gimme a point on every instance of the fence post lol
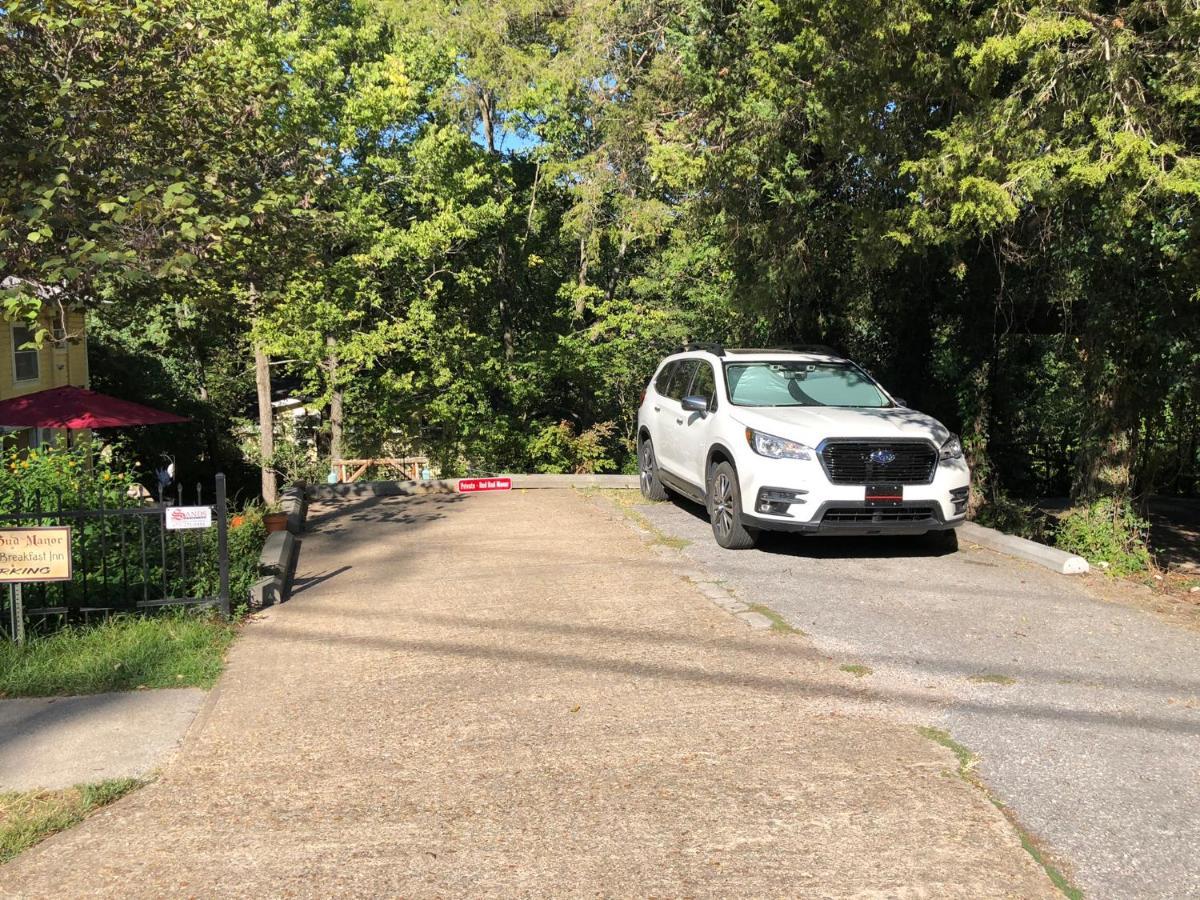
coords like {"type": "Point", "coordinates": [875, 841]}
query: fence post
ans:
{"type": "Point", "coordinates": [223, 546]}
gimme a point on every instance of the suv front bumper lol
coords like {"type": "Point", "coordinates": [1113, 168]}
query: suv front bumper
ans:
{"type": "Point", "coordinates": [849, 517]}
{"type": "Point", "coordinates": [817, 506]}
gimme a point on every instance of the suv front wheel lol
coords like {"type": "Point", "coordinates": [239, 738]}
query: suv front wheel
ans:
{"type": "Point", "coordinates": [648, 480]}
{"type": "Point", "coordinates": [725, 509]}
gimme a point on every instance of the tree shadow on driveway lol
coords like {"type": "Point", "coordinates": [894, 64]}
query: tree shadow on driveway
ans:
{"type": "Point", "coordinates": [799, 687]}
{"type": "Point", "coordinates": [336, 518]}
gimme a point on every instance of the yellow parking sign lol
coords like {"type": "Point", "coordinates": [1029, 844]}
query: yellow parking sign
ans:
{"type": "Point", "coordinates": [35, 554]}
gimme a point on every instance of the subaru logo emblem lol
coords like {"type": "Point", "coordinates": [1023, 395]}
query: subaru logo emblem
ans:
{"type": "Point", "coordinates": [882, 457]}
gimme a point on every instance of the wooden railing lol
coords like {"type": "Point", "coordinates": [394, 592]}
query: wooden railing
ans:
{"type": "Point", "coordinates": [409, 466]}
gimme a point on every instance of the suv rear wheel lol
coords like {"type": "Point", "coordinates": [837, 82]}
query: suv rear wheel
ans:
{"type": "Point", "coordinates": [652, 487]}
{"type": "Point", "coordinates": [725, 509]}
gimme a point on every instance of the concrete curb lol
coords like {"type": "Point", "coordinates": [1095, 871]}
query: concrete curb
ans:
{"type": "Point", "coordinates": [450, 486]}
{"type": "Point", "coordinates": [294, 501]}
{"type": "Point", "coordinates": [277, 565]}
{"type": "Point", "coordinates": [1048, 557]}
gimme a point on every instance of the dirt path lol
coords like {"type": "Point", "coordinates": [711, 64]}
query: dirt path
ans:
{"type": "Point", "coordinates": [510, 695]}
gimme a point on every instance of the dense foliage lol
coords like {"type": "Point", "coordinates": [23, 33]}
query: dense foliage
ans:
{"type": "Point", "coordinates": [471, 228]}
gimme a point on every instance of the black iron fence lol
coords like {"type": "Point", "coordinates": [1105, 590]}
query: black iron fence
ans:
{"type": "Point", "coordinates": [125, 559]}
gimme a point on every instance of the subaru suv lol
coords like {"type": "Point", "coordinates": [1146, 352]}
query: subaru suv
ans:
{"type": "Point", "coordinates": [795, 440]}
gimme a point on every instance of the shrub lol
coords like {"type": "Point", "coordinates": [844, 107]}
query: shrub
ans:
{"type": "Point", "coordinates": [1014, 517]}
{"type": "Point", "coordinates": [74, 476]}
{"type": "Point", "coordinates": [245, 547]}
{"type": "Point", "coordinates": [1107, 533]}
{"type": "Point", "coordinates": [557, 448]}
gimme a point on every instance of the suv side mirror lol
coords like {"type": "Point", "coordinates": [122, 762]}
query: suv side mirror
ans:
{"type": "Point", "coordinates": [900, 402]}
{"type": "Point", "coordinates": [695, 404]}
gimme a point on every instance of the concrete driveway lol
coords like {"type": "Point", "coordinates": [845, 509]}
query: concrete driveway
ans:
{"type": "Point", "coordinates": [513, 695]}
{"type": "Point", "coordinates": [1085, 714]}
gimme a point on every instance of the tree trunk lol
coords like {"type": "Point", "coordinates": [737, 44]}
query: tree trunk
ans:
{"type": "Point", "coordinates": [336, 450]}
{"type": "Point", "coordinates": [1104, 465]}
{"type": "Point", "coordinates": [266, 423]}
{"type": "Point", "coordinates": [580, 302]}
{"type": "Point", "coordinates": [502, 280]}
{"type": "Point", "coordinates": [487, 120]}
{"type": "Point", "coordinates": [976, 429]}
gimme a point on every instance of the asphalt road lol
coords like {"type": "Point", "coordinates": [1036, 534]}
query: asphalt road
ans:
{"type": "Point", "coordinates": [1085, 714]}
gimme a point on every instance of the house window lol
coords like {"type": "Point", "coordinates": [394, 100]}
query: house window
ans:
{"type": "Point", "coordinates": [25, 362]}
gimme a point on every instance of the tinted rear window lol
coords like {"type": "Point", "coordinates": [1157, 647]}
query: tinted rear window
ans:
{"type": "Point", "coordinates": [681, 379]}
{"type": "Point", "coordinates": [664, 378]}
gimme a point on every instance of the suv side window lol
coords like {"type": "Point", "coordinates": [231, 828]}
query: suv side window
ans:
{"type": "Point", "coordinates": [663, 381]}
{"type": "Point", "coordinates": [684, 370]}
{"type": "Point", "coordinates": [705, 385]}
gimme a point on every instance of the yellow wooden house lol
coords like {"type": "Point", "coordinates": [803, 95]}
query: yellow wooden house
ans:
{"type": "Point", "coordinates": [60, 361]}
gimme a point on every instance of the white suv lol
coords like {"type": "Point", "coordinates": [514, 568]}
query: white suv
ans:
{"type": "Point", "coordinates": [795, 440]}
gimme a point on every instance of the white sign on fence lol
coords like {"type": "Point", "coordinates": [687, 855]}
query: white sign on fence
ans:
{"type": "Point", "coordinates": [180, 517]}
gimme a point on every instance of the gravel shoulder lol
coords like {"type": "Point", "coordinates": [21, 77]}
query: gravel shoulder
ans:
{"type": "Point", "coordinates": [1085, 713]}
{"type": "Point", "coordinates": [513, 695]}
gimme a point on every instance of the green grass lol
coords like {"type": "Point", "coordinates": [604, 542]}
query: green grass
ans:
{"type": "Point", "coordinates": [779, 624]}
{"type": "Point", "coordinates": [966, 770]}
{"type": "Point", "coordinates": [1057, 878]}
{"type": "Point", "coordinates": [966, 759]}
{"type": "Point", "coordinates": [31, 816]}
{"type": "Point", "coordinates": [857, 670]}
{"type": "Point", "coordinates": [628, 501]}
{"type": "Point", "coordinates": [120, 654]}
{"type": "Point", "coordinates": [991, 678]}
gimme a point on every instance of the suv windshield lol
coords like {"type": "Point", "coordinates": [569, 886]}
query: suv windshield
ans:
{"type": "Point", "coordinates": [802, 384]}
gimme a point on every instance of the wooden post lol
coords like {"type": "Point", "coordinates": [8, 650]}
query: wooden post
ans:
{"type": "Point", "coordinates": [335, 402]}
{"type": "Point", "coordinates": [223, 548]}
{"type": "Point", "coordinates": [266, 423]}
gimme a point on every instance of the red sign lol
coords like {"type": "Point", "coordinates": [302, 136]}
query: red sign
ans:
{"type": "Point", "coordinates": [475, 485]}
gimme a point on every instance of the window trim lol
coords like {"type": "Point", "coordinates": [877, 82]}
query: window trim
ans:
{"type": "Point", "coordinates": [16, 348]}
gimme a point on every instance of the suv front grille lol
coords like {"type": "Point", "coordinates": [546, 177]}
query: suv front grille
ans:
{"type": "Point", "coordinates": [849, 462]}
{"type": "Point", "coordinates": [866, 514]}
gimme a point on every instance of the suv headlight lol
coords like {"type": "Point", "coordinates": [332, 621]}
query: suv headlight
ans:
{"type": "Point", "coordinates": [776, 447]}
{"type": "Point", "coordinates": [952, 449]}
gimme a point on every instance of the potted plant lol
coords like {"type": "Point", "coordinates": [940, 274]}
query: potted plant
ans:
{"type": "Point", "coordinates": [274, 518]}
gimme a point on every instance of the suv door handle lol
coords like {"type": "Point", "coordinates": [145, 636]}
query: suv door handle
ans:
{"type": "Point", "coordinates": [658, 409]}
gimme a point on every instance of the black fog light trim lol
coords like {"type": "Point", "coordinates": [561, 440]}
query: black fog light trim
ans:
{"type": "Point", "coordinates": [775, 501]}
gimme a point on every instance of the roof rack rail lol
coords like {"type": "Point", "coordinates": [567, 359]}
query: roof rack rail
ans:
{"type": "Point", "coordinates": [812, 348]}
{"type": "Point", "coordinates": [711, 347]}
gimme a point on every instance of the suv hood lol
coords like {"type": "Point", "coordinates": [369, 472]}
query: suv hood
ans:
{"type": "Point", "coordinates": [813, 424]}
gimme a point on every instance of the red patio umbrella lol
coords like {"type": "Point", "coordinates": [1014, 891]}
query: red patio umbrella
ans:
{"type": "Point", "coordinates": [76, 408]}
